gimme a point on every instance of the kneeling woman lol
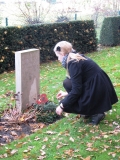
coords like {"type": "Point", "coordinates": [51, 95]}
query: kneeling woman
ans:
{"type": "Point", "coordinates": [89, 90]}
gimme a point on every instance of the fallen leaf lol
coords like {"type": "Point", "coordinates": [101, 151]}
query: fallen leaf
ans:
{"type": "Point", "coordinates": [14, 151]}
{"type": "Point", "coordinates": [51, 132]}
{"type": "Point", "coordinates": [112, 153]}
{"type": "Point", "coordinates": [116, 84]}
{"type": "Point", "coordinates": [105, 136]}
{"type": "Point", "coordinates": [30, 147]}
{"type": "Point", "coordinates": [60, 145]}
{"type": "Point", "coordinates": [25, 151]}
{"type": "Point", "coordinates": [87, 158]}
{"type": "Point", "coordinates": [1, 156]}
{"type": "Point", "coordinates": [66, 114]}
{"type": "Point", "coordinates": [115, 123]}
{"type": "Point", "coordinates": [12, 99]}
{"type": "Point", "coordinates": [45, 139]}
{"type": "Point", "coordinates": [69, 152]}
{"type": "Point", "coordinates": [19, 145]}
{"type": "Point", "coordinates": [13, 133]}
{"type": "Point", "coordinates": [5, 155]}
{"type": "Point", "coordinates": [21, 136]}
{"type": "Point", "coordinates": [105, 146]}
{"type": "Point", "coordinates": [89, 144]}
{"type": "Point", "coordinates": [41, 157]}
{"type": "Point", "coordinates": [22, 119]}
{"type": "Point", "coordinates": [71, 139]}
{"type": "Point", "coordinates": [1, 127]}
{"type": "Point", "coordinates": [43, 147]}
{"type": "Point", "coordinates": [92, 149]}
{"type": "Point", "coordinates": [42, 152]}
{"type": "Point", "coordinates": [37, 138]}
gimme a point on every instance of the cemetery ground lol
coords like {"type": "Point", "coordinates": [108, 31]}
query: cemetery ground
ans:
{"type": "Point", "coordinates": [71, 137]}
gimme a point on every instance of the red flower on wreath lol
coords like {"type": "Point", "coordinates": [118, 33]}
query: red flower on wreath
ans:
{"type": "Point", "coordinates": [43, 99]}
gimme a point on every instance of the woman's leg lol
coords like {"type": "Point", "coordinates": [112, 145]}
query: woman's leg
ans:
{"type": "Point", "coordinates": [94, 119]}
{"type": "Point", "coordinates": [67, 84]}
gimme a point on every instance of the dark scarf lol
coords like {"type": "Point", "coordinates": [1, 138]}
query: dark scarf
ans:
{"type": "Point", "coordinates": [64, 61]}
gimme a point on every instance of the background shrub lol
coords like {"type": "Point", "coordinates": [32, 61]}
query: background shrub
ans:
{"type": "Point", "coordinates": [44, 37]}
{"type": "Point", "coordinates": [110, 31]}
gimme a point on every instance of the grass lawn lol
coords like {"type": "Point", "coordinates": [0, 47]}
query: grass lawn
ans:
{"type": "Point", "coordinates": [69, 138]}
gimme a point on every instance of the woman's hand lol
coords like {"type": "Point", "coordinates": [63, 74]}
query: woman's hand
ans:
{"type": "Point", "coordinates": [59, 110]}
{"type": "Point", "coordinates": [61, 94]}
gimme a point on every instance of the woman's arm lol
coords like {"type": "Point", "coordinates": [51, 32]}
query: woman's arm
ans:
{"type": "Point", "coordinates": [75, 71]}
{"type": "Point", "coordinates": [61, 94]}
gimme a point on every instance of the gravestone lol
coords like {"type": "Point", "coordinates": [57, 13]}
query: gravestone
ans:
{"type": "Point", "coordinates": [27, 74]}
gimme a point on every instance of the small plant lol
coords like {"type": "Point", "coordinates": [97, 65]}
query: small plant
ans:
{"type": "Point", "coordinates": [46, 110]}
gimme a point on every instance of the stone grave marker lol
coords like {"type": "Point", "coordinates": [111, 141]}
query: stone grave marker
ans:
{"type": "Point", "coordinates": [27, 74]}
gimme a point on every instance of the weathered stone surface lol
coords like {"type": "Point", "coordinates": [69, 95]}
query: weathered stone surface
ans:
{"type": "Point", "coordinates": [27, 73]}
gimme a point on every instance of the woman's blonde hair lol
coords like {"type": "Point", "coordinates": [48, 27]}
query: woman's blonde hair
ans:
{"type": "Point", "coordinates": [72, 56]}
{"type": "Point", "coordinates": [66, 47]}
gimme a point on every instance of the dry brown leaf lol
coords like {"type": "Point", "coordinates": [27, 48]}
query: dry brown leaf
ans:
{"type": "Point", "coordinates": [60, 145]}
{"type": "Point", "coordinates": [5, 155]}
{"type": "Point", "coordinates": [30, 147]}
{"type": "Point", "coordinates": [22, 119]}
{"type": "Point", "coordinates": [12, 99]}
{"type": "Point", "coordinates": [41, 125]}
{"type": "Point", "coordinates": [14, 151]}
{"type": "Point", "coordinates": [43, 147]}
{"type": "Point", "coordinates": [69, 152]}
{"type": "Point", "coordinates": [26, 151]}
{"type": "Point", "coordinates": [116, 84]}
{"type": "Point", "coordinates": [66, 114]}
{"type": "Point", "coordinates": [112, 153]}
{"type": "Point", "coordinates": [89, 144]}
{"type": "Point", "coordinates": [78, 116]}
{"type": "Point", "coordinates": [45, 139]}
{"type": "Point", "coordinates": [105, 146]}
{"type": "Point", "coordinates": [105, 136]}
{"type": "Point", "coordinates": [19, 145]}
{"type": "Point", "coordinates": [6, 129]}
{"type": "Point", "coordinates": [51, 132]}
{"type": "Point", "coordinates": [71, 139]}
{"type": "Point", "coordinates": [1, 128]}
{"type": "Point", "coordinates": [87, 158]}
{"type": "Point", "coordinates": [66, 133]}
{"type": "Point", "coordinates": [92, 149]}
{"type": "Point", "coordinates": [13, 133]}
{"type": "Point", "coordinates": [37, 138]}
{"type": "Point", "coordinates": [41, 157]}
{"type": "Point", "coordinates": [42, 152]}
{"type": "Point", "coordinates": [1, 156]}
{"type": "Point", "coordinates": [5, 137]}
{"type": "Point", "coordinates": [21, 136]}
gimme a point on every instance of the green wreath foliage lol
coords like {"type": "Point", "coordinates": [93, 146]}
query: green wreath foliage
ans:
{"type": "Point", "coordinates": [46, 112]}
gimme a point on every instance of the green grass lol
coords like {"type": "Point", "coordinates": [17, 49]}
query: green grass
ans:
{"type": "Point", "coordinates": [69, 138]}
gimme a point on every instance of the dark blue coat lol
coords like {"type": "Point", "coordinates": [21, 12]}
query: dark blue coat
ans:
{"type": "Point", "coordinates": [91, 89]}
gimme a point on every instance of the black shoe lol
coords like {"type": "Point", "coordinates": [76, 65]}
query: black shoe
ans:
{"type": "Point", "coordinates": [95, 119]}
{"type": "Point", "coordinates": [85, 116]}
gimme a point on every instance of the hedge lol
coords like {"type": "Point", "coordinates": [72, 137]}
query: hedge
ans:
{"type": "Point", "coordinates": [44, 37]}
{"type": "Point", "coordinates": [110, 31]}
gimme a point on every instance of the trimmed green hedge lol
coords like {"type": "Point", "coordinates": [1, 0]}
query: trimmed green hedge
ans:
{"type": "Point", "coordinates": [110, 31]}
{"type": "Point", "coordinates": [44, 37]}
